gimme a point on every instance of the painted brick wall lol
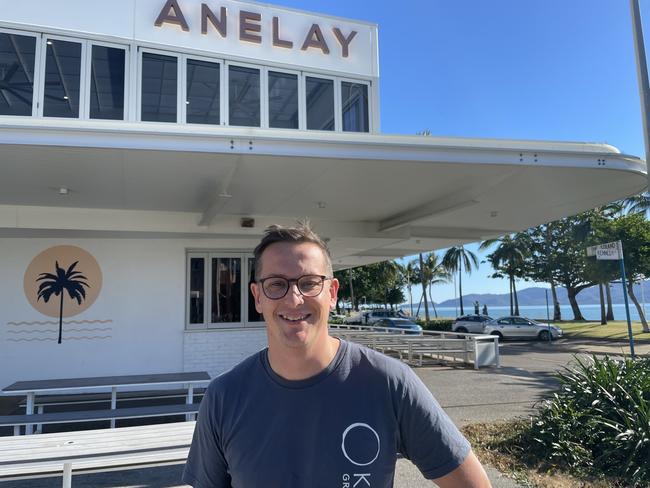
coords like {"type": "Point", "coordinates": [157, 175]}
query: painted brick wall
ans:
{"type": "Point", "coordinates": [216, 351]}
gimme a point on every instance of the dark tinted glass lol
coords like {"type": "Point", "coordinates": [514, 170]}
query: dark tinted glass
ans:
{"type": "Point", "coordinates": [226, 290]}
{"type": "Point", "coordinates": [283, 100]}
{"type": "Point", "coordinates": [197, 291]}
{"type": "Point", "coordinates": [253, 314]}
{"type": "Point", "coordinates": [244, 96]}
{"type": "Point", "coordinates": [202, 92]}
{"type": "Point", "coordinates": [159, 88]}
{"type": "Point", "coordinates": [62, 79]}
{"type": "Point", "coordinates": [16, 74]}
{"type": "Point", "coordinates": [354, 101]}
{"type": "Point", "coordinates": [320, 104]}
{"type": "Point", "coordinates": [107, 83]}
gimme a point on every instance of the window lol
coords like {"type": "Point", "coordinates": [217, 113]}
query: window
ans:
{"type": "Point", "coordinates": [283, 100]}
{"type": "Point", "coordinates": [107, 72]}
{"type": "Point", "coordinates": [17, 54]}
{"type": "Point", "coordinates": [218, 293]}
{"type": "Point", "coordinates": [203, 92]}
{"type": "Point", "coordinates": [244, 96]}
{"type": "Point", "coordinates": [354, 104]}
{"type": "Point", "coordinates": [62, 79]}
{"type": "Point", "coordinates": [159, 88]}
{"type": "Point", "coordinates": [320, 103]}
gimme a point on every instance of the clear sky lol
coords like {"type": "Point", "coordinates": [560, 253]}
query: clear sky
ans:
{"type": "Point", "coordinates": [518, 69]}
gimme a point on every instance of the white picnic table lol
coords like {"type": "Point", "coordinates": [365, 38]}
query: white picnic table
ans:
{"type": "Point", "coordinates": [91, 451]}
{"type": "Point", "coordinates": [71, 385]}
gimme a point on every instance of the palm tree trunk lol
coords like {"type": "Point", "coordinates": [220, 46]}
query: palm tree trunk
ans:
{"type": "Point", "coordinates": [557, 311]}
{"type": "Point", "coordinates": [61, 317]}
{"type": "Point", "coordinates": [603, 313]}
{"type": "Point", "coordinates": [512, 311]}
{"type": "Point", "coordinates": [435, 312]}
{"type": "Point", "coordinates": [514, 294]}
{"type": "Point", "coordinates": [639, 309]}
{"type": "Point", "coordinates": [460, 286]}
{"type": "Point", "coordinates": [351, 291]}
{"type": "Point", "coordinates": [424, 290]}
{"type": "Point", "coordinates": [410, 298]}
{"type": "Point", "coordinates": [610, 307]}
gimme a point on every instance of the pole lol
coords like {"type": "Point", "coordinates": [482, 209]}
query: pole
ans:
{"type": "Point", "coordinates": [548, 318]}
{"type": "Point", "coordinates": [627, 306]}
{"type": "Point", "coordinates": [642, 76]}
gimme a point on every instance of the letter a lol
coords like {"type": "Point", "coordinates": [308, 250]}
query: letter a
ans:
{"type": "Point", "coordinates": [166, 16]}
{"type": "Point", "coordinates": [319, 42]}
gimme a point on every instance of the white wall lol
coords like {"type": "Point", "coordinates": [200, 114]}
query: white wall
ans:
{"type": "Point", "coordinates": [143, 294]}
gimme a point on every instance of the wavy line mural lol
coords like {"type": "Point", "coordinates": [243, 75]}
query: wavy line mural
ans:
{"type": "Point", "coordinates": [48, 322]}
{"type": "Point", "coordinates": [44, 339]}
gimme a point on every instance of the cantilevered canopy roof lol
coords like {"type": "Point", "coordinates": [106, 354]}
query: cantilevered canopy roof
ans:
{"type": "Point", "coordinates": [375, 197]}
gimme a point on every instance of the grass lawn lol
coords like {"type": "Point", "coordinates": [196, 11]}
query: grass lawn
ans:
{"type": "Point", "coordinates": [614, 330]}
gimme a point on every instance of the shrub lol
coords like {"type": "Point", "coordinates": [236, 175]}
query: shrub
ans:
{"type": "Point", "coordinates": [443, 325]}
{"type": "Point", "coordinates": [599, 422]}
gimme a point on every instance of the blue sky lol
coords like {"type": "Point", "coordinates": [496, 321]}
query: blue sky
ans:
{"type": "Point", "coordinates": [517, 69]}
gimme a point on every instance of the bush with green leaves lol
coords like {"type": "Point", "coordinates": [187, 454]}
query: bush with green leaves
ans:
{"type": "Point", "coordinates": [599, 422]}
{"type": "Point", "coordinates": [443, 325]}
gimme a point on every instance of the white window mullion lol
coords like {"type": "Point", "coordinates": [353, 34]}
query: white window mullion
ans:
{"type": "Point", "coordinates": [181, 84]}
{"type": "Point", "coordinates": [264, 97]}
{"type": "Point", "coordinates": [338, 108]}
{"type": "Point", "coordinates": [302, 101]}
{"type": "Point", "coordinates": [85, 80]}
{"type": "Point", "coordinates": [39, 91]}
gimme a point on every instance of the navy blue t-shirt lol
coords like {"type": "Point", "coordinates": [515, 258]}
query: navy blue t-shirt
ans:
{"type": "Point", "coordinates": [341, 428]}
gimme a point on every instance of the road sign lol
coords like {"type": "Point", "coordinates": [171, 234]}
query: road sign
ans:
{"type": "Point", "coordinates": [610, 251]}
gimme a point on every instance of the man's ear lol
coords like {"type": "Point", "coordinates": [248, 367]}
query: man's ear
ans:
{"type": "Point", "coordinates": [334, 292]}
{"type": "Point", "coordinates": [255, 290]}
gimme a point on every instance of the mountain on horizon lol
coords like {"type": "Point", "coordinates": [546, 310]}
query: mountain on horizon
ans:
{"type": "Point", "coordinates": [536, 296]}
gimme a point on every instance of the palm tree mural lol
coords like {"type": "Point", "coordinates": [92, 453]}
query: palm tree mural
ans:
{"type": "Point", "coordinates": [56, 284]}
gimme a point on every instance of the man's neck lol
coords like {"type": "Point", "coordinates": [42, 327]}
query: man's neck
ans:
{"type": "Point", "coordinates": [300, 364]}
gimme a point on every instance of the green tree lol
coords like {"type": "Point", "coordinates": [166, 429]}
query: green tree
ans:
{"type": "Point", "coordinates": [434, 274]}
{"type": "Point", "coordinates": [454, 259]}
{"type": "Point", "coordinates": [633, 230]}
{"type": "Point", "coordinates": [56, 284]}
{"type": "Point", "coordinates": [508, 259]}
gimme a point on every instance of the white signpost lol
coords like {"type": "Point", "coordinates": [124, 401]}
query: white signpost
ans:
{"type": "Point", "coordinates": [613, 251]}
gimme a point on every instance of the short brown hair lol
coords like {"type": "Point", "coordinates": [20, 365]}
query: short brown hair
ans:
{"type": "Point", "coordinates": [299, 234]}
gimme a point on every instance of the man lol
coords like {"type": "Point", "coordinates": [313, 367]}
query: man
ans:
{"type": "Point", "coordinates": [312, 411]}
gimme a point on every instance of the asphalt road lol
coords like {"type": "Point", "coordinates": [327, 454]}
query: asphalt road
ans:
{"type": "Point", "coordinates": [525, 377]}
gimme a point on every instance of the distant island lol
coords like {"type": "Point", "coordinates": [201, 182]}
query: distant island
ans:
{"type": "Point", "coordinates": [535, 296]}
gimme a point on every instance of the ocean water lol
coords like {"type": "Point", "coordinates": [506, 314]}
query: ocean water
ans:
{"type": "Point", "coordinates": [589, 312]}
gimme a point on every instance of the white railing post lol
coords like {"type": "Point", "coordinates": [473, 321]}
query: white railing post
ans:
{"type": "Point", "coordinates": [189, 400]}
{"type": "Point", "coordinates": [113, 404]}
{"type": "Point", "coordinates": [475, 352]}
{"type": "Point", "coordinates": [67, 475]}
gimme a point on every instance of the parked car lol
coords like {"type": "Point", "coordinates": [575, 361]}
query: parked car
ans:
{"type": "Point", "coordinates": [407, 325]}
{"type": "Point", "coordinates": [369, 317]}
{"type": "Point", "coordinates": [521, 328]}
{"type": "Point", "coordinates": [470, 323]}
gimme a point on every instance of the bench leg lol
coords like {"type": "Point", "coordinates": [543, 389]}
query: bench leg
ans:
{"type": "Point", "coordinates": [16, 429]}
{"type": "Point", "coordinates": [39, 427]}
{"type": "Point", "coordinates": [189, 400]}
{"type": "Point", "coordinates": [67, 475]}
{"type": "Point", "coordinates": [29, 410]}
{"type": "Point", "coordinates": [113, 404]}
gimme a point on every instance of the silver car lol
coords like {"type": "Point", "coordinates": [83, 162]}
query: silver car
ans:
{"type": "Point", "coordinates": [514, 327]}
{"type": "Point", "coordinates": [470, 323]}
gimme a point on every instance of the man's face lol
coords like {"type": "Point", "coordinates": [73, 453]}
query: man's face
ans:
{"type": "Point", "coordinates": [295, 321]}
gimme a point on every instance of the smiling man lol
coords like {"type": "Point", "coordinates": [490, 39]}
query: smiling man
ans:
{"type": "Point", "coordinates": [314, 411]}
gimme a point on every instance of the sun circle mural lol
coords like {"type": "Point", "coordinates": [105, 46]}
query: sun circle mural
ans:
{"type": "Point", "coordinates": [62, 281]}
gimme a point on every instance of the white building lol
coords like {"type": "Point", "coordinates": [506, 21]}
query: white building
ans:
{"type": "Point", "coordinates": [152, 141]}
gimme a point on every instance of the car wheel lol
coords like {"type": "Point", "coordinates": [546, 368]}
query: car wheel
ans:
{"type": "Point", "coordinates": [544, 335]}
{"type": "Point", "coordinates": [498, 334]}
{"type": "Point", "coordinates": [462, 330]}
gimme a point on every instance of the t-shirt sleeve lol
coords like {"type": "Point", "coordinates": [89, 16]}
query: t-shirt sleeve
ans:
{"type": "Point", "coordinates": [428, 437]}
{"type": "Point", "coordinates": [206, 465]}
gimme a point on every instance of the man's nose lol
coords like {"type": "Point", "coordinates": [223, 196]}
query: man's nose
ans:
{"type": "Point", "coordinates": [293, 293]}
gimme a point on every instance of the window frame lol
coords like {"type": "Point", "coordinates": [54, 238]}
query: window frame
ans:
{"type": "Point", "coordinates": [337, 100]}
{"type": "Point", "coordinates": [340, 101]}
{"type": "Point", "coordinates": [127, 75]}
{"type": "Point", "coordinates": [36, 82]}
{"type": "Point", "coordinates": [263, 89]}
{"type": "Point", "coordinates": [179, 74]}
{"type": "Point", "coordinates": [222, 89]}
{"type": "Point", "coordinates": [302, 102]}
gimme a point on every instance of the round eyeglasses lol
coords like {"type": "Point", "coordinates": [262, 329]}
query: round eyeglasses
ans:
{"type": "Point", "coordinates": [276, 287]}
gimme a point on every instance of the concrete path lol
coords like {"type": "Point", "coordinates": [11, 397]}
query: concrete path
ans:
{"type": "Point", "coordinates": [468, 396]}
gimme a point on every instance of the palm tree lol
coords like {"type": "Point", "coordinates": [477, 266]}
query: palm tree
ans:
{"type": "Point", "coordinates": [408, 272]}
{"type": "Point", "coordinates": [423, 282]}
{"type": "Point", "coordinates": [56, 284]}
{"type": "Point", "coordinates": [453, 260]}
{"type": "Point", "coordinates": [638, 203]}
{"type": "Point", "coordinates": [434, 273]}
{"type": "Point", "coordinates": [508, 258]}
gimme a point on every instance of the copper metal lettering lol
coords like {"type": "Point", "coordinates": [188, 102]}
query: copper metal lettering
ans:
{"type": "Point", "coordinates": [344, 41]}
{"type": "Point", "coordinates": [217, 23]}
{"type": "Point", "coordinates": [315, 39]}
{"type": "Point", "coordinates": [165, 16]}
{"type": "Point", "coordinates": [246, 26]}
{"type": "Point", "coordinates": [276, 35]}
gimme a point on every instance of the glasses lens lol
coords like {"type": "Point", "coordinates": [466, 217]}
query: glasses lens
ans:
{"type": "Point", "coordinates": [310, 286]}
{"type": "Point", "coordinates": [275, 287]}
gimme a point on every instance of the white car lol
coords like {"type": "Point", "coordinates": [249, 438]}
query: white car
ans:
{"type": "Point", "coordinates": [521, 328]}
{"type": "Point", "coordinates": [470, 323]}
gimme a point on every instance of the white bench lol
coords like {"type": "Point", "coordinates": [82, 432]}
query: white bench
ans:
{"type": "Point", "coordinates": [92, 451]}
